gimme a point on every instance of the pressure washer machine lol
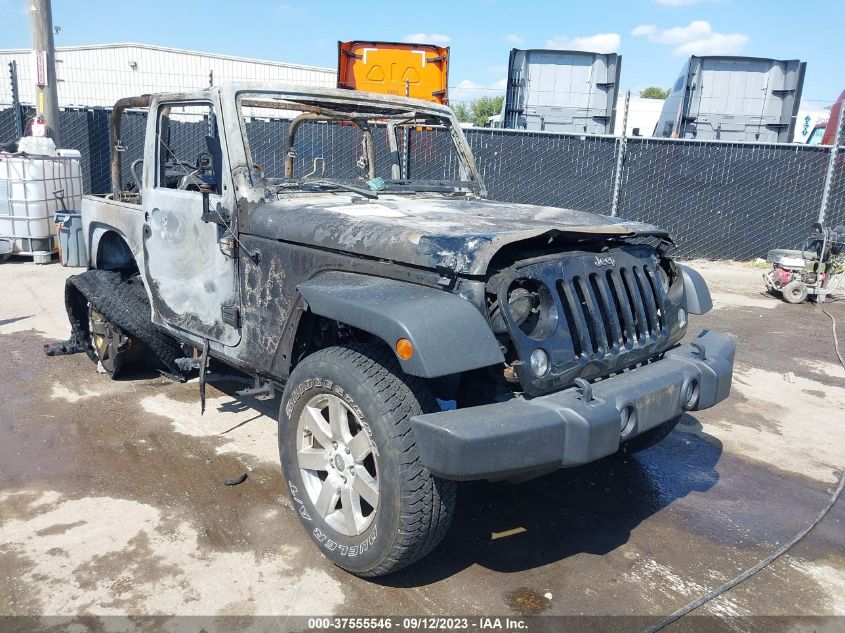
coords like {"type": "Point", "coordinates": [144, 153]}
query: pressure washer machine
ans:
{"type": "Point", "coordinates": [814, 272]}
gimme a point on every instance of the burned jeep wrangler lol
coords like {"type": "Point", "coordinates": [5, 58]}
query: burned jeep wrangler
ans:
{"type": "Point", "coordinates": [340, 247]}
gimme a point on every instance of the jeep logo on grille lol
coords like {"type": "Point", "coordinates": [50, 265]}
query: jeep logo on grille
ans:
{"type": "Point", "coordinates": [605, 261]}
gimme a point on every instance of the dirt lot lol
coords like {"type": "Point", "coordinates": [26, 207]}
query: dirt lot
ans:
{"type": "Point", "coordinates": [113, 503]}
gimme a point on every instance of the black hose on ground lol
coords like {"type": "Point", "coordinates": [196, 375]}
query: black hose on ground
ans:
{"type": "Point", "coordinates": [698, 602]}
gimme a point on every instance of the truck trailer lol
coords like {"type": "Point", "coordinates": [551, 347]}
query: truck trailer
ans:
{"type": "Point", "coordinates": [734, 99]}
{"type": "Point", "coordinates": [562, 91]}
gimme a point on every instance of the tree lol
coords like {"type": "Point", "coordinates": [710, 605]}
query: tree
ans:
{"type": "Point", "coordinates": [477, 112]}
{"type": "Point", "coordinates": [462, 111]}
{"type": "Point", "coordinates": [654, 92]}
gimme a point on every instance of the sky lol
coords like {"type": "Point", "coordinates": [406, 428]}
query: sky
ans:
{"type": "Point", "coordinates": [653, 36]}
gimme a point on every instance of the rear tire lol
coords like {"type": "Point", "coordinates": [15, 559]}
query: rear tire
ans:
{"type": "Point", "coordinates": [348, 455]}
{"type": "Point", "coordinates": [103, 305]}
{"type": "Point", "coordinates": [649, 438]}
{"type": "Point", "coordinates": [116, 352]}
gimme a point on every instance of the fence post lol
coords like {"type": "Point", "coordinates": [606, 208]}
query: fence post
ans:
{"type": "Point", "coordinates": [831, 166]}
{"type": "Point", "coordinates": [16, 98]}
{"type": "Point", "coordinates": [623, 142]}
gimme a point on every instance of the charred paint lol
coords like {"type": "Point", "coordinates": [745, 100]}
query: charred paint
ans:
{"type": "Point", "coordinates": [443, 241]}
{"type": "Point", "coordinates": [266, 296]}
{"type": "Point", "coordinates": [423, 230]}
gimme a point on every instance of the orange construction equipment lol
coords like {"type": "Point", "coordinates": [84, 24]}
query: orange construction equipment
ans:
{"type": "Point", "coordinates": [420, 71]}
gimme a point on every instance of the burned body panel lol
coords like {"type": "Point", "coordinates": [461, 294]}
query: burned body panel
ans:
{"type": "Point", "coordinates": [569, 318]}
{"type": "Point", "coordinates": [462, 235]}
{"type": "Point", "coordinates": [272, 303]}
{"type": "Point", "coordinates": [267, 290]}
{"type": "Point", "coordinates": [101, 216]}
{"type": "Point", "coordinates": [192, 279]}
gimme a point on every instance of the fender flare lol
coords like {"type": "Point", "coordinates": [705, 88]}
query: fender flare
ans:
{"type": "Point", "coordinates": [448, 333]}
{"type": "Point", "coordinates": [696, 293]}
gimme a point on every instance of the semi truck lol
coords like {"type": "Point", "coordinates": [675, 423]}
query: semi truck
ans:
{"type": "Point", "coordinates": [732, 98]}
{"type": "Point", "coordinates": [572, 92]}
{"type": "Point", "coordinates": [824, 133]}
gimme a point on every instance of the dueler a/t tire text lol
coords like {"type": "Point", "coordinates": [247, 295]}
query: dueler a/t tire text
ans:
{"type": "Point", "coordinates": [332, 467]}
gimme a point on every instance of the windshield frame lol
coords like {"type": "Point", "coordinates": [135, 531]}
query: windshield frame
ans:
{"type": "Point", "coordinates": [337, 104]}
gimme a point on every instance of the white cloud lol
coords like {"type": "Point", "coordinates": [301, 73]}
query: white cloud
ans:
{"type": "Point", "coordinates": [598, 43]}
{"type": "Point", "coordinates": [681, 3]}
{"type": "Point", "coordinates": [468, 90]}
{"type": "Point", "coordinates": [287, 8]}
{"type": "Point", "coordinates": [427, 38]}
{"type": "Point", "coordinates": [512, 38]}
{"type": "Point", "coordinates": [644, 29]}
{"type": "Point", "coordinates": [696, 38]}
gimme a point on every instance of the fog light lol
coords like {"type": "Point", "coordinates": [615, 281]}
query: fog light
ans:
{"type": "Point", "coordinates": [627, 419]}
{"type": "Point", "coordinates": [682, 317]}
{"type": "Point", "coordinates": [539, 362]}
{"type": "Point", "coordinates": [690, 395]}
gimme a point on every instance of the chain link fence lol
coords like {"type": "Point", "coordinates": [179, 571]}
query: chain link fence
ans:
{"type": "Point", "coordinates": [720, 200]}
{"type": "Point", "coordinates": [724, 200]}
{"type": "Point", "coordinates": [558, 170]}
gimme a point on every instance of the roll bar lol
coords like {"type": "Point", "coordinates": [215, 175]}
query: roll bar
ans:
{"type": "Point", "coordinates": [142, 101]}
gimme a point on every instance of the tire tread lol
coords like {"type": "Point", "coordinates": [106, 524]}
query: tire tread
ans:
{"type": "Point", "coordinates": [428, 502]}
{"type": "Point", "coordinates": [124, 303]}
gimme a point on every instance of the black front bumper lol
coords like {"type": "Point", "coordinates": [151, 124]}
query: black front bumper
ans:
{"type": "Point", "coordinates": [564, 429]}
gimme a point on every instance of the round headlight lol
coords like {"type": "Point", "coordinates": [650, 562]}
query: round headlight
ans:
{"type": "Point", "coordinates": [539, 362]}
{"type": "Point", "coordinates": [521, 302]}
{"type": "Point", "coordinates": [682, 317]}
{"type": "Point", "coordinates": [532, 308]}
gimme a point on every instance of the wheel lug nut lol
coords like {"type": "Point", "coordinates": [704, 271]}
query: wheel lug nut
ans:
{"type": "Point", "coordinates": [334, 444]}
{"type": "Point", "coordinates": [347, 450]}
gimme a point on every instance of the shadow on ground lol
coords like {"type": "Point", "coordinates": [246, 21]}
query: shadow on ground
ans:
{"type": "Point", "coordinates": [590, 509]}
{"type": "Point", "coordinates": [515, 527]}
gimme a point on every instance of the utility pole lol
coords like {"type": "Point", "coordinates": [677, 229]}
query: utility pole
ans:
{"type": "Point", "coordinates": [44, 53]}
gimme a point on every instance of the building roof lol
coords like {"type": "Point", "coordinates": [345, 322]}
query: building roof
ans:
{"type": "Point", "coordinates": [168, 49]}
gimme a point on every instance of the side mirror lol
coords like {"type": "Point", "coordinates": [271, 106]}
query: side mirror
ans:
{"type": "Point", "coordinates": [218, 215]}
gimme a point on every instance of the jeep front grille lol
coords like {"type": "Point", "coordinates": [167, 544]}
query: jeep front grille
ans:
{"type": "Point", "coordinates": [609, 313]}
{"type": "Point", "coordinates": [608, 310]}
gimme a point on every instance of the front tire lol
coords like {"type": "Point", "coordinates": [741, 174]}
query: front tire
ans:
{"type": "Point", "coordinates": [348, 455]}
